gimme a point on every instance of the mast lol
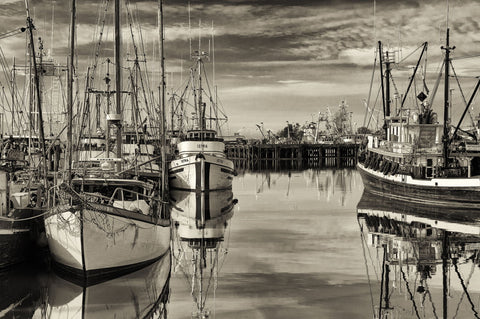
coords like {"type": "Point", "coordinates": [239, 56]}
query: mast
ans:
{"type": "Point", "coordinates": [118, 83]}
{"type": "Point", "coordinates": [388, 69]}
{"type": "Point", "coordinates": [70, 92]}
{"type": "Point", "coordinates": [37, 89]}
{"type": "Point", "coordinates": [380, 50]}
{"type": "Point", "coordinates": [200, 102]}
{"type": "Point", "coordinates": [162, 99]}
{"type": "Point", "coordinates": [13, 96]}
{"type": "Point", "coordinates": [446, 106]}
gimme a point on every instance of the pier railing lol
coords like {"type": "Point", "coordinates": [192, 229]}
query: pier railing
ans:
{"type": "Point", "coordinates": [292, 156]}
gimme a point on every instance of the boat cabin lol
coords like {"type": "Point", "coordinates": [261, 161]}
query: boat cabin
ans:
{"type": "Point", "coordinates": [202, 135]}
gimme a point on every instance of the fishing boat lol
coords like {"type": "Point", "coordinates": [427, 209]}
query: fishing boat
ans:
{"type": "Point", "coordinates": [201, 163]}
{"type": "Point", "coordinates": [21, 226]}
{"type": "Point", "coordinates": [22, 185]}
{"type": "Point", "coordinates": [426, 255]}
{"type": "Point", "coordinates": [105, 218]}
{"type": "Point", "coordinates": [199, 248]}
{"type": "Point", "coordinates": [417, 157]}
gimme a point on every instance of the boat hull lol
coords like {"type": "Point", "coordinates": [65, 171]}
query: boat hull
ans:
{"type": "Point", "coordinates": [462, 191]}
{"type": "Point", "coordinates": [91, 240]}
{"type": "Point", "coordinates": [201, 172]}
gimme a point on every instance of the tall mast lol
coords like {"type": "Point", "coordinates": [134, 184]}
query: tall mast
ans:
{"type": "Point", "coordinates": [70, 91]}
{"type": "Point", "coordinates": [13, 96]}
{"type": "Point", "coordinates": [200, 102]}
{"type": "Point", "coordinates": [446, 106]}
{"type": "Point", "coordinates": [380, 50]}
{"type": "Point", "coordinates": [118, 84]}
{"type": "Point", "coordinates": [162, 99]}
{"type": "Point", "coordinates": [37, 89]}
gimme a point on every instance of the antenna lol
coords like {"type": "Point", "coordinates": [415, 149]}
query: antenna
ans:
{"type": "Point", "coordinates": [374, 21]}
{"type": "Point", "coordinates": [53, 22]}
{"type": "Point", "coordinates": [199, 36]}
{"type": "Point", "coordinates": [213, 57]}
{"type": "Point", "coordinates": [189, 29]}
{"type": "Point", "coordinates": [448, 12]}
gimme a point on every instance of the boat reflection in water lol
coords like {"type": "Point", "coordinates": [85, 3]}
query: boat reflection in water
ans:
{"type": "Point", "coordinates": [201, 219]}
{"type": "Point", "coordinates": [425, 259]}
{"type": "Point", "coordinates": [20, 291]}
{"type": "Point", "coordinates": [141, 294]}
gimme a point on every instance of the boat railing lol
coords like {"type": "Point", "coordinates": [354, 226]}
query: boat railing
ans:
{"type": "Point", "coordinates": [130, 200]}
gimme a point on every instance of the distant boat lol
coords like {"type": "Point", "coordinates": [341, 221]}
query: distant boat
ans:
{"type": "Point", "coordinates": [201, 163]}
{"type": "Point", "coordinates": [200, 222]}
{"type": "Point", "coordinates": [417, 248]}
{"type": "Point", "coordinates": [419, 158]}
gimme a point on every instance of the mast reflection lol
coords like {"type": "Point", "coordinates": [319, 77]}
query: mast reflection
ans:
{"type": "Point", "coordinates": [421, 261]}
{"type": "Point", "coordinates": [199, 249]}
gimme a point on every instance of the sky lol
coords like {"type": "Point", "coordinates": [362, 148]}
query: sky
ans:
{"type": "Point", "coordinates": [274, 61]}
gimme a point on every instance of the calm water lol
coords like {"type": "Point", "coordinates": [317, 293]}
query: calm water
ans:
{"type": "Point", "coordinates": [294, 246]}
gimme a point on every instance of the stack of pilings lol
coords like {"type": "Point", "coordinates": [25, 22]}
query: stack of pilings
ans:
{"type": "Point", "coordinates": [292, 156]}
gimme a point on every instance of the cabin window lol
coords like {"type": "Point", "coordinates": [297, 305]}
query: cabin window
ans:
{"type": "Point", "coordinates": [429, 171]}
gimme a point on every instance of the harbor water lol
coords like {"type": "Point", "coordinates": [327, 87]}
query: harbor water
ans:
{"type": "Point", "coordinates": [299, 244]}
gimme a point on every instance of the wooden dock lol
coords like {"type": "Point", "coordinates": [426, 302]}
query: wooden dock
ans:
{"type": "Point", "coordinates": [292, 156]}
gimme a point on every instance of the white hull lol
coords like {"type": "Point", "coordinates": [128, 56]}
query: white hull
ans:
{"type": "Point", "coordinates": [89, 241]}
{"type": "Point", "coordinates": [201, 172]}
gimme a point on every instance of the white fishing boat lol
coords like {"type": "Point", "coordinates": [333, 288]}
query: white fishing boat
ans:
{"type": "Point", "coordinates": [201, 163]}
{"type": "Point", "coordinates": [105, 218]}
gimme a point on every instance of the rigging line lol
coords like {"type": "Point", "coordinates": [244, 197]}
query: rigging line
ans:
{"type": "Point", "coordinates": [468, 282]}
{"type": "Point", "coordinates": [215, 264]}
{"type": "Point", "coordinates": [410, 292]}
{"type": "Point", "coordinates": [455, 265]}
{"type": "Point", "coordinates": [370, 88]}
{"type": "Point", "coordinates": [381, 284]}
{"type": "Point", "coordinates": [98, 44]}
{"type": "Point", "coordinates": [411, 53]}
{"type": "Point", "coordinates": [374, 106]}
{"type": "Point", "coordinates": [362, 238]}
{"type": "Point", "coordinates": [434, 310]}
{"type": "Point", "coordinates": [466, 57]}
{"type": "Point", "coordinates": [12, 32]}
{"type": "Point", "coordinates": [461, 92]}
{"type": "Point", "coordinates": [394, 85]}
